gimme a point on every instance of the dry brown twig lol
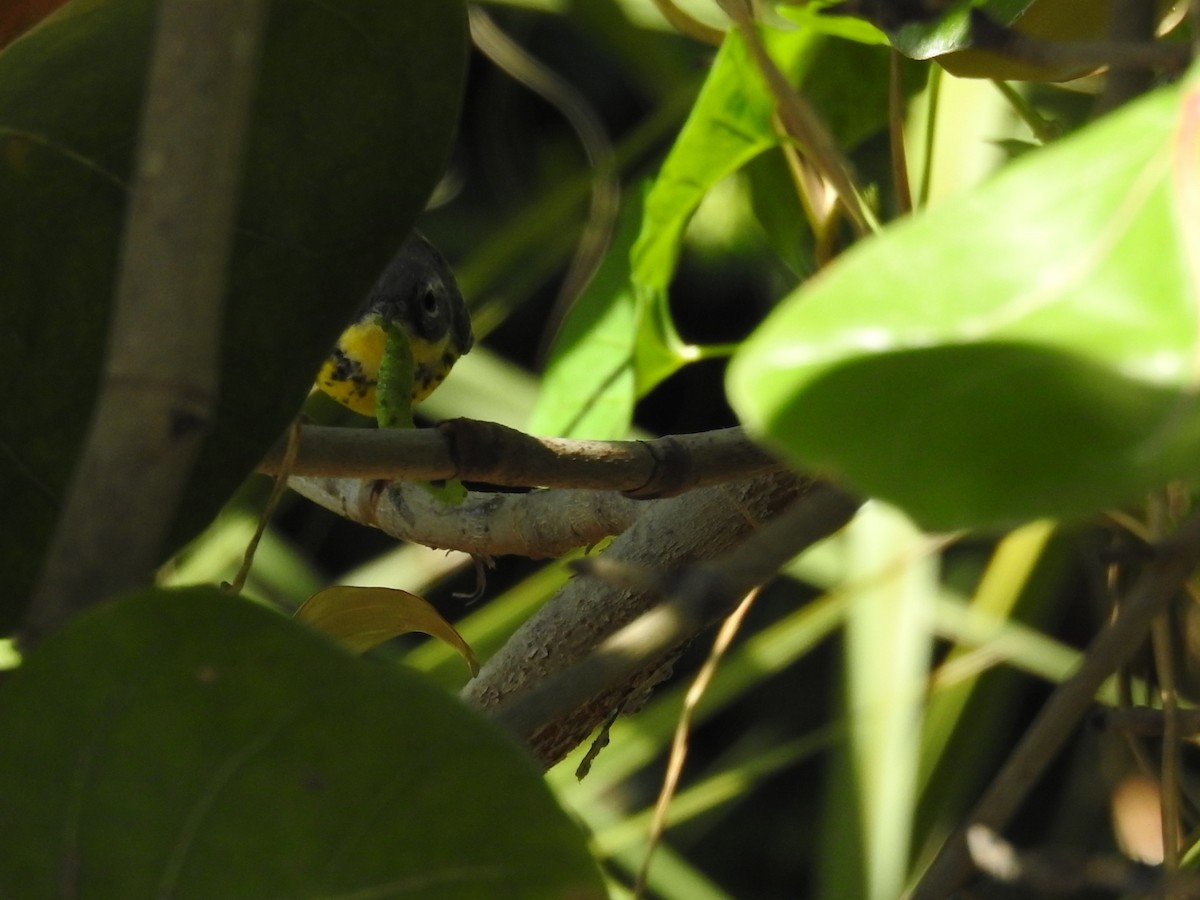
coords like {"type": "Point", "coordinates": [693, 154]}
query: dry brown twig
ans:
{"type": "Point", "coordinates": [799, 119]}
{"type": "Point", "coordinates": [679, 743]}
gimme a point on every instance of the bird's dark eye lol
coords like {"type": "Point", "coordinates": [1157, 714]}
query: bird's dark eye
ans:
{"type": "Point", "coordinates": [429, 301]}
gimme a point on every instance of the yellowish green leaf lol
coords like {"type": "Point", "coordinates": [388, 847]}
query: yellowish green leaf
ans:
{"type": "Point", "coordinates": [360, 618]}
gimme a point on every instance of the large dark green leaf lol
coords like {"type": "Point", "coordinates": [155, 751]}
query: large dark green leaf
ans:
{"type": "Point", "coordinates": [356, 106]}
{"type": "Point", "coordinates": [191, 744]}
{"type": "Point", "coordinates": [1027, 350]}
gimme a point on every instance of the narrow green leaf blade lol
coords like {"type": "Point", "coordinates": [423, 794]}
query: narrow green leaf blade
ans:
{"type": "Point", "coordinates": [888, 644]}
{"type": "Point", "coordinates": [1001, 586]}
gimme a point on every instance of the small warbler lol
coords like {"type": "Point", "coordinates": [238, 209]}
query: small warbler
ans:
{"type": "Point", "coordinates": [417, 290]}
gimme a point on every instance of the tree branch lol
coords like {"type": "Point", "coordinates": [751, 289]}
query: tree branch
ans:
{"type": "Point", "coordinates": [539, 524]}
{"type": "Point", "coordinates": [561, 675]}
{"type": "Point", "coordinates": [693, 598]}
{"type": "Point", "coordinates": [495, 454]}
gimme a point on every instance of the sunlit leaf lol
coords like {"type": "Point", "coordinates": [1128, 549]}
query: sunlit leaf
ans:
{"type": "Point", "coordinates": [1005, 579]}
{"type": "Point", "coordinates": [588, 387]}
{"type": "Point", "coordinates": [731, 123]}
{"type": "Point", "coordinates": [888, 644]}
{"type": "Point", "coordinates": [360, 618]}
{"type": "Point", "coordinates": [1027, 350]}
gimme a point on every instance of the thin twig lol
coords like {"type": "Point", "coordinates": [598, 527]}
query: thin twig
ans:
{"type": "Point", "coordinates": [816, 198]}
{"type": "Point", "coordinates": [801, 121]}
{"type": "Point", "coordinates": [1169, 773]}
{"type": "Point", "coordinates": [686, 25]}
{"type": "Point", "coordinates": [1147, 721]}
{"type": "Point", "coordinates": [679, 743]}
{"type": "Point", "coordinates": [513, 59]}
{"type": "Point", "coordinates": [904, 200]}
{"type": "Point", "coordinates": [277, 491]}
{"type": "Point", "coordinates": [987, 34]}
{"type": "Point", "coordinates": [1194, 16]}
{"type": "Point", "coordinates": [1164, 664]}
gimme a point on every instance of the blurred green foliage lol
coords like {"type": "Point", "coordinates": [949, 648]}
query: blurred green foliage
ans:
{"type": "Point", "coordinates": [876, 687]}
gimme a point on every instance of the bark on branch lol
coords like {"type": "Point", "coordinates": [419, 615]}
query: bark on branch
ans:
{"type": "Point", "coordinates": [539, 525]}
{"type": "Point", "coordinates": [472, 450]}
{"type": "Point", "coordinates": [596, 647]}
{"type": "Point", "coordinates": [564, 634]}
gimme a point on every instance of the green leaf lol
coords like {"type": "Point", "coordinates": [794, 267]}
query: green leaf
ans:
{"type": "Point", "coordinates": [730, 124]}
{"type": "Point", "coordinates": [779, 212]}
{"type": "Point", "coordinates": [950, 32]}
{"type": "Point", "coordinates": [355, 110]}
{"type": "Point", "coordinates": [588, 388]}
{"type": "Point", "coordinates": [888, 644]}
{"type": "Point", "coordinates": [1026, 350]}
{"type": "Point", "coordinates": [1007, 576]}
{"type": "Point", "coordinates": [192, 744]}
{"type": "Point", "coordinates": [360, 618]}
{"type": "Point", "coordinates": [950, 41]}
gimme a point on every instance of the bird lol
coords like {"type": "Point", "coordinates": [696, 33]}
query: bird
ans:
{"type": "Point", "coordinates": [417, 292]}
